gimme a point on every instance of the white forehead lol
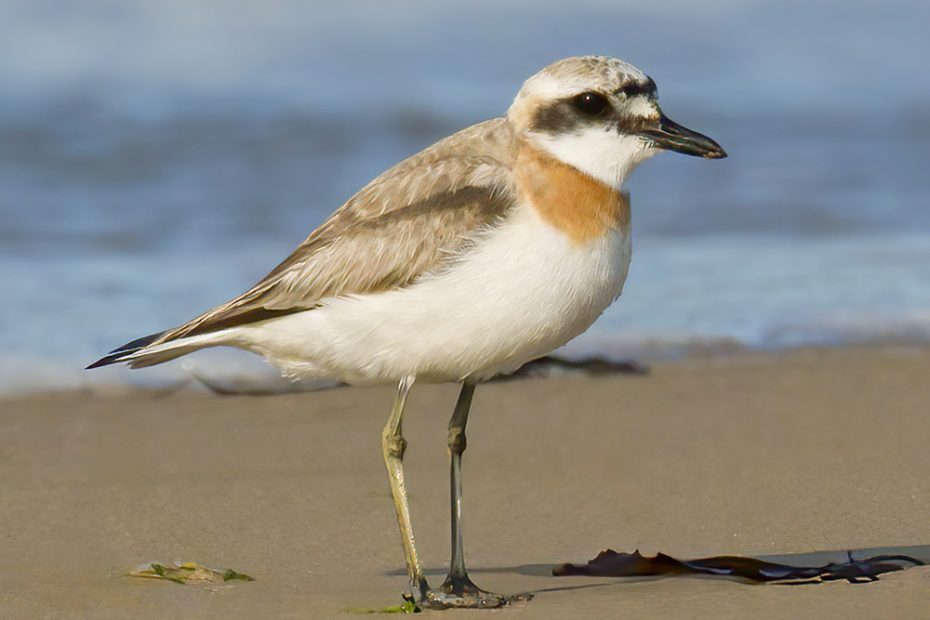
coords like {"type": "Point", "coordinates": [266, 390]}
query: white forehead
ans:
{"type": "Point", "coordinates": [575, 75]}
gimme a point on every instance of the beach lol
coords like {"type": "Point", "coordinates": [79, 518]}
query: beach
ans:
{"type": "Point", "coordinates": [799, 455]}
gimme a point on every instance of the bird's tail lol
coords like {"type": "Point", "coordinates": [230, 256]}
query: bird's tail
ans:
{"type": "Point", "coordinates": [147, 351]}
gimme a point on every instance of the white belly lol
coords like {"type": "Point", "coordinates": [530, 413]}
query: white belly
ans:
{"type": "Point", "coordinates": [524, 290]}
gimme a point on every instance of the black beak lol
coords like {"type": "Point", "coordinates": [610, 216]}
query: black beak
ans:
{"type": "Point", "coordinates": [673, 137]}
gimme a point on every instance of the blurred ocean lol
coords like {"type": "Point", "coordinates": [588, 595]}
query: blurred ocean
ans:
{"type": "Point", "coordinates": [159, 156]}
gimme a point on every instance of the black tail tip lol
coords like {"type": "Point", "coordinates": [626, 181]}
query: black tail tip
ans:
{"type": "Point", "coordinates": [116, 355]}
{"type": "Point", "coordinates": [103, 361]}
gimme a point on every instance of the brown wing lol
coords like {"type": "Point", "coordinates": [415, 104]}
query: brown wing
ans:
{"type": "Point", "coordinates": [407, 222]}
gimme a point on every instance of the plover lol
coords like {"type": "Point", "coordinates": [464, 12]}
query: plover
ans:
{"type": "Point", "coordinates": [488, 249]}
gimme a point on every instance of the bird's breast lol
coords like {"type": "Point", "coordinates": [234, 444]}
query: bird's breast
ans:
{"type": "Point", "coordinates": [580, 207]}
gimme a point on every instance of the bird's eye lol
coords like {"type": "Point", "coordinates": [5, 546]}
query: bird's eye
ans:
{"type": "Point", "coordinates": [591, 104]}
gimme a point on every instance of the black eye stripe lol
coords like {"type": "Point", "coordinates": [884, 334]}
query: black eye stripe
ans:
{"type": "Point", "coordinates": [634, 89]}
{"type": "Point", "coordinates": [557, 117]}
{"type": "Point", "coordinates": [579, 111]}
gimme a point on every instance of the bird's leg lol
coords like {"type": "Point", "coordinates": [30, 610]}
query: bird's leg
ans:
{"type": "Point", "coordinates": [458, 575]}
{"type": "Point", "coordinates": [458, 590]}
{"type": "Point", "coordinates": [393, 446]}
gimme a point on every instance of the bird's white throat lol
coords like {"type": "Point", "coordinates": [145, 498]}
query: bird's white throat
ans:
{"type": "Point", "coordinates": [607, 156]}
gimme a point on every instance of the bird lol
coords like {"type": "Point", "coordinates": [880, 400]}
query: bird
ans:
{"type": "Point", "coordinates": [492, 247]}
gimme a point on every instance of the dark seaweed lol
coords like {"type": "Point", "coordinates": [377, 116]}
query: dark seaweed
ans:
{"type": "Point", "coordinates": [609, 563]}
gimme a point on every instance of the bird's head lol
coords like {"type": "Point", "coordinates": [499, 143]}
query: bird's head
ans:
{"type": "Point", "coordinates": [601, 116]}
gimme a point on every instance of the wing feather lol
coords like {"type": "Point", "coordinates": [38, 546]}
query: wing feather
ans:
{"type": "Point", "coordinates": [409, 221]}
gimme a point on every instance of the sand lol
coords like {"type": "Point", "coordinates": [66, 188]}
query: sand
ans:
{"type": "Point", "coordinates": [806, 452]}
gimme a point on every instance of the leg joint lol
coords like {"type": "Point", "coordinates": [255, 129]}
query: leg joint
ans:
{"type": "Point", "coordinates": [394, 446]}
{"type": "Point", "coordinates": [457, 441]}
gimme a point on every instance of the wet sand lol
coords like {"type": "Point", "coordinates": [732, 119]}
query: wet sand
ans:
{"type": "Point", "coordinates": [805, 452]}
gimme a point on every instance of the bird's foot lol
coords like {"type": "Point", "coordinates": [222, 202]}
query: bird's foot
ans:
{"type": "Point", "coordinates": [462, 593]}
